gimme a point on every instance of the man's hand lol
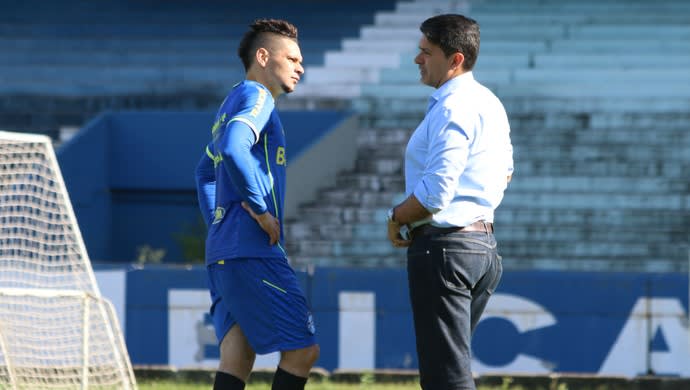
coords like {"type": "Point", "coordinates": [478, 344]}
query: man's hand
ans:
{"type": "Point", "coordinates": [268, 223]}
{"type": "Point", "coordinates": [394, 236]}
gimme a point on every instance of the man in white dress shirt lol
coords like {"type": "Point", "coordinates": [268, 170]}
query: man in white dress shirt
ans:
{"type": "Point", "coordinates": [458, 163]}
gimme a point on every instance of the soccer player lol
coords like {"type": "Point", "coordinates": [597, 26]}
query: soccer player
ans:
{"type": "Point", "coordinates": [257, 305]}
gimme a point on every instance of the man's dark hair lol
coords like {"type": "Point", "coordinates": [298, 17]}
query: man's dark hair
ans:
{"type": "Point", "coordinates": [258, 35]}
{"type": "Point", "coordinates": [454, 33]}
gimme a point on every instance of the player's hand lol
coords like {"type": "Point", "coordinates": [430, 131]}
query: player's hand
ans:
{"type": "Point", "coordinates": [394, 236]}
{"type": "Point", "coordinates": [269, 223]}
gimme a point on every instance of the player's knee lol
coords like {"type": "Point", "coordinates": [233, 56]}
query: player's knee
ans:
{"type": "Point", "coordinates": [312, 354]}
{"type": "Point", "coordinates": [303, 358]}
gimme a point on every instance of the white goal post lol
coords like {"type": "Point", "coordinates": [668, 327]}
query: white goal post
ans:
{"type": "Point", "coordinates": [56, 330]}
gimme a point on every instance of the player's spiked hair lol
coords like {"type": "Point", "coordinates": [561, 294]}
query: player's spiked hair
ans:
{"type": "Point", "coordinates": [257, 36]}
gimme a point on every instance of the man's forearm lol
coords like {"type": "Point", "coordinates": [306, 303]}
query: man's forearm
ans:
{"type": "Point", "coordinates": [410, 210]}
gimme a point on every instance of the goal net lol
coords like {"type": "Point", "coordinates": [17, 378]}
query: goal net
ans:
{"type": "Point", "coordinates": [56, 330]}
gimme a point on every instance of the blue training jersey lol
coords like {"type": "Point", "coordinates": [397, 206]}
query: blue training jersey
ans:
{"type": "Point", "coordinates": [232, 232]}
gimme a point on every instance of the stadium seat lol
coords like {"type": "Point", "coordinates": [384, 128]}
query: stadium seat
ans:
{"type": "Point", "coordinates": [597, 94]}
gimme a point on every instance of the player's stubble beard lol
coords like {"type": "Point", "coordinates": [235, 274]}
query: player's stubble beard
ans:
{"type": "Point", "coordinates": [287, 88]}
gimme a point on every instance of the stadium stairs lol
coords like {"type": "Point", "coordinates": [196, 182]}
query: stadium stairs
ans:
{"type": "Point", "coordinates": [598, 94]}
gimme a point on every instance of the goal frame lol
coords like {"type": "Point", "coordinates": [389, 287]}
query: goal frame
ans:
{"type": "Point", "coordinates": [105, 307]}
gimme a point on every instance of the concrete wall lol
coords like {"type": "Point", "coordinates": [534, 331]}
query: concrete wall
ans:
{"type": "Point", "coordinates": [131, 175]}
{"type": "Point", "coordinates": [617, 324]}
{"type": "Point", "coordinates": [316, 167]}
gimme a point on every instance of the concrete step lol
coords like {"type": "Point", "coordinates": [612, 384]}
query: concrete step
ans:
{"type": "Point", "coordinates": [624, 234]}
{"type": "Point", "coordinates": [403, 45]}
{"type": "Point", "coordinates": [371, 182]}
{"type": "Point", "coordinates": [531, 215]}
{"type": "Point", "coordinates": [604, 152]}
{"type": "Point", "coordinates": [607, 60]}
{"type": "Point", "coordinates": [377, 137]}
{"type": "Point", "coordinates": [566, 129]}
{"type": "Point", "coordinates": [112, 44]}
{"type": "Point", "coordinates": [610, 45]}
{"type": "Point", "coordinates": [597, 120]}
{"type": "Point", "coordinates": [547, 138]}
{"type": "Point", "coordinates": [595, 201]}
{"type": "Point", "coordinates": [340, 197]}
{"type": "Point", "coordinates": [380, 108]}
{"type": "Point", "coordinates": [565, 88]}
{"type": "Point", "coordinates": [585, 250]}
{"type": "Point", "coordinates": [600, 168]}
{"type": "Point", "coordinates": [152, 73]}
{"type": "Point", "coordinates": [516, 33]}
{"type": "Point", "coordinates": [382, 166]}
{"type": "Point", "coordinates": [493, 18]}
{"type": "Point", "coordinates": [632, 31]}
{"type": "Point", "coordinates": [578, 161]}
{"type": "Point", "coordinates": [604, 77]}
{"type": "Point", "coordinates": [350, 248]}
{"type": "Point", "coordinates": [603, 8]}
{"type": "Point", "coordinates": [299, 230]}
{"type": "Point", "coordinates": [346, 214]}
{"type": "Point", "coordinates": [392, 150]}
{"type": "Point", "coordinates": [523, 182]}
{"type": "Point", "coordinates": [605, 185]}
{"type": "Point", "coordinates": [609, 8]}
{"type": "Point", "coordinates": [155, 57]}
{"type": "Point", "coordinates": [374, 65]}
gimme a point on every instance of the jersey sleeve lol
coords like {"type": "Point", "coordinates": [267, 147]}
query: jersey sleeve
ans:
{"type": "Point", "coordinates": [234, 145]}
{"type": "Point", "coordinates": [254, 107]}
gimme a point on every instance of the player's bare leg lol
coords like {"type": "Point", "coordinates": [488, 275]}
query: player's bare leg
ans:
{"type": "Point", "coordinates": [236, 359]}
{"type": "Point", "coordinates": [293, 369]}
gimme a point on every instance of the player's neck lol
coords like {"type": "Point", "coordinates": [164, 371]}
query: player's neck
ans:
{"type": "Point", "coordinates": [258, 77]}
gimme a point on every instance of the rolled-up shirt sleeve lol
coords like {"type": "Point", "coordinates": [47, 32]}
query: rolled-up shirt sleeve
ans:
{"type": "Point", "coordinates": [448, 146]}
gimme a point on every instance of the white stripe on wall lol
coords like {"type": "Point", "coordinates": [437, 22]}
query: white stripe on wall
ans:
{"type": "Point", "coordinates": [112, 286]}
{"type": "Point", "coordinates": [357, 330]}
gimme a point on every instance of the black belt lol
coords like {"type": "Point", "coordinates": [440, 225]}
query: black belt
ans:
{"type": "Point", "coordinates": [429, 230]}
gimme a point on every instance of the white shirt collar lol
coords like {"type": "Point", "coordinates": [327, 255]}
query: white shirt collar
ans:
{"type": "Point", "coordinates": [448, 86]}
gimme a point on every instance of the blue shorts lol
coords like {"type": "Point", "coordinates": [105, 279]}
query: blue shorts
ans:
{"type": "Point", "coordinates": [263, 297]}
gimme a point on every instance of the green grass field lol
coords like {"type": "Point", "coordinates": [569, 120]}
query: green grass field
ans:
{"type": "Point", "coordinates": [267, 386]}
{"type": "Point", "coordinates": [170, 385]}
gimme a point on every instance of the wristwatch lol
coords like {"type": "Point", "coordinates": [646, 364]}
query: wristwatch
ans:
{"type": "Point", "coordinates": [390, 217]}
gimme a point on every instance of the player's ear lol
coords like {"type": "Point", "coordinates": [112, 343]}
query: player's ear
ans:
{"type": "Point", "coordinates": [262, 56]}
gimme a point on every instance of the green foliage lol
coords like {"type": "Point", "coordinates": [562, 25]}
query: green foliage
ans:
{"type": "Point", "coordinates": [192, 241]}
{"type": "Point", "coordinates": [367, 379]}
{"type": "Point", "coordinates": [149, 255]}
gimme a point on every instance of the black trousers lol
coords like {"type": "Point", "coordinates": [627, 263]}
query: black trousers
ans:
{"type": "Point", "coordinates": [451, 277]}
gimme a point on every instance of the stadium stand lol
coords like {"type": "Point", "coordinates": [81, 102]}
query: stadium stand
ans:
{"type": "Point", "coordinates": [64, 62]}
{"type": "Point", "coordinates": [598, 93]}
